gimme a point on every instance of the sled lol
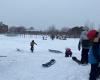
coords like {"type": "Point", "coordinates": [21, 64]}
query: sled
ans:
{"type": "Point", "coordinates": [50, 63]}
{"type": "Point", "coordinates": [54, 51]}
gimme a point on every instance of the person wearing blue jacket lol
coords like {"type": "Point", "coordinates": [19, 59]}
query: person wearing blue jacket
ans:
{"type": "Point", "coordinates": [94, 54]}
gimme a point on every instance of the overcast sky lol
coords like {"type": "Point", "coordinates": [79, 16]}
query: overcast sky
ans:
{"type": "Point", "coordinates": [44, 13]}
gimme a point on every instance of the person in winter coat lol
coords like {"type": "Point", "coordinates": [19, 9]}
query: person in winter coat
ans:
{"type": "Point", "coordinates": [84, 43]}
{"type": "Point", "coordinates": [32, 45]}
{"type": "Point", "coordinates": [68, 52]}
{"type": "Point", "coordinates": [94, 54]}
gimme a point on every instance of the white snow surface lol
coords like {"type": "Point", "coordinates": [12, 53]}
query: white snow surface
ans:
{"type": "Point", "coordinates": [24, 65]}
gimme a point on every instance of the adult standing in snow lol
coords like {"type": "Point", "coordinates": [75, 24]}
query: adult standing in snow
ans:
{"type": "Point", "coordinates": [85, 44]}
{"type": "Point", "coordinates": [32, 45]}
{"type": "Point", "coordinates": [94, 54]}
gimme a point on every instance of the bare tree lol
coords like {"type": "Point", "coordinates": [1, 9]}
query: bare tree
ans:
{"type": "Point", "coordinates": [20, 29]}
{"type": "Point", "coordinates": [12, 29]}
{"type": "Point", "coordinates": [52, 31]}
{"type": "Point", "coordinates": [89, 24]}
{"type": "Point", "coordinates": [31, 28]}
{"type": "Point", "coordinates": [64, 29]}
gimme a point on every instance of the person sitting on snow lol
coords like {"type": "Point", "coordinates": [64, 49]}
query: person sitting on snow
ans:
{"type": "Point", "coordinates": [32, 45]}
{"type": "Point", "coordinates": [68, 52]}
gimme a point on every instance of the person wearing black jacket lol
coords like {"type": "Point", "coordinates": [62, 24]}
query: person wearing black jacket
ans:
{"type": "Point", "coordinates": [84, 43]}
{"type": "Point", "coordinates": [32, 45]}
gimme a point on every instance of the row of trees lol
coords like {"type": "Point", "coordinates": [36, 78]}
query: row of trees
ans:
{"type": "Point", "coordinates": [52, 31]}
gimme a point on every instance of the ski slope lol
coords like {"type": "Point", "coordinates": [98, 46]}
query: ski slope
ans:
{"type": "Point", "coordinates": [24, 65]}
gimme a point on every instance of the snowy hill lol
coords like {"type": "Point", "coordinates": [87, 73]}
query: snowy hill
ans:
{"type": "Point", "coordinates": [24, 65]}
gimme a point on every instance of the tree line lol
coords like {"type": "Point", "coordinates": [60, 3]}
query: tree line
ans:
{"type": "Point", "coordinates": [51, 31]}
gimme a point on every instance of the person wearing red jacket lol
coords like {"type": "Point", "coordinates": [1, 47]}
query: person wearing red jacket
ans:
{"type": "Point", "coordinates": [68, 52]}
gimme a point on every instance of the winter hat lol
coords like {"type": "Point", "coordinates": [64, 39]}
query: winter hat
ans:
{"type": "Point", "coordinates": [68, 49]}
{"type": "Point", "coordinates": [32, 40]}
{"type": "Point", "coordinates": [91, 34]}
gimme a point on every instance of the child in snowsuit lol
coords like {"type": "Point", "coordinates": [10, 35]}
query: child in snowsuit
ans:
{"type": "Point", "coordinates": [68, 52]}
{"type": "Point", "coordinates": [32, 45]}
{"type": "Point", "coordinates": [94, 54]}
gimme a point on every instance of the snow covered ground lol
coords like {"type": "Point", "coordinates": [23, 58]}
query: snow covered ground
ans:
{"type": "Point", "coordinates": [25, 65]}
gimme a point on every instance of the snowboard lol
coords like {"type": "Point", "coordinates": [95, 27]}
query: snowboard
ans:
{"type": "Point", "coordinates": [50, 63]}
{"type": "Point", "coordinates": [76, 60]}
{"type": "Point", "coordinates": [54, 51]}
{"type": "Point", "coordinates": [2, 56]}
